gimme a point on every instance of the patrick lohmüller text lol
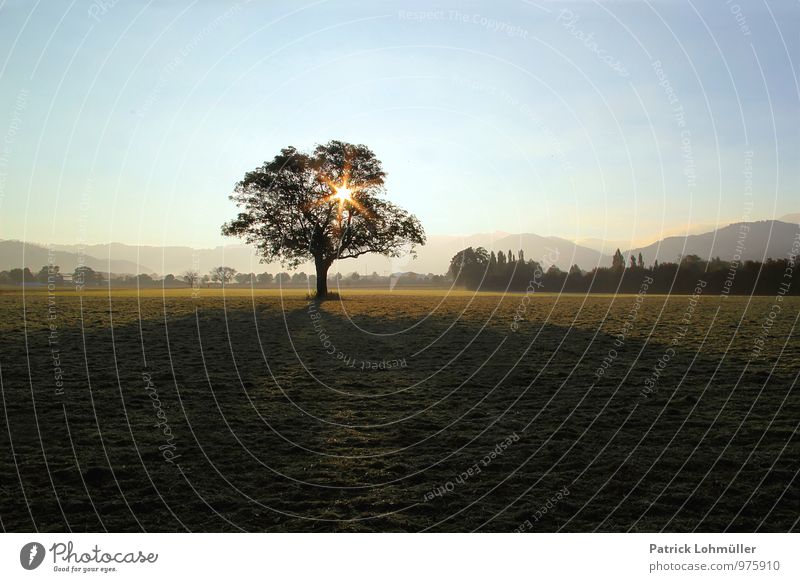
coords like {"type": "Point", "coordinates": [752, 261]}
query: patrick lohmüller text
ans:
{"type": "Point", "coordinates": [702, 549]}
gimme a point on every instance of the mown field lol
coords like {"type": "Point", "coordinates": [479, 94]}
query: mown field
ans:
{"type": "Point", "coordinates": [402, 411]}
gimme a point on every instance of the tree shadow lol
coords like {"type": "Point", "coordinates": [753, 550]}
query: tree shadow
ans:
{"type": "Point", "coordinates": [323, 417]}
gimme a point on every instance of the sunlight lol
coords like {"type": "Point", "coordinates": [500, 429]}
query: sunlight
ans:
{"type": "Point", "coordinates": [343, 194]}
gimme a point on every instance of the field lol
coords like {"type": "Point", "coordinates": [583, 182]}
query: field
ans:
{"type": "Point", "coordinates": [405, 411]}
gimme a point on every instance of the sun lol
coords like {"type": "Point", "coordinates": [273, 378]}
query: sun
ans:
{"type": "Point", "coordinates": [343, 194]}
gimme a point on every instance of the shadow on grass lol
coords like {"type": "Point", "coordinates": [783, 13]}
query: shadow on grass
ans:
{"type": "Point", "coordinates": [306, 420]}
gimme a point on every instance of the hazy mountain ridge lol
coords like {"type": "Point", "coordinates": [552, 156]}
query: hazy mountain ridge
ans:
{"type": "Point", "coordinates": [754, 241]}
{"type": "Point", "coordinates": [15, 254]}
{"type": "Point", "coordinates": [762, 239]}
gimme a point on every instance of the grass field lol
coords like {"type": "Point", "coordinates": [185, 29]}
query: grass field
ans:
{"type": "Point", "coordinates": [404, 411]}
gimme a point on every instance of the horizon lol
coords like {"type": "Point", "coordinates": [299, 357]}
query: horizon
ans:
{"type": "Point", "coordinates": [697, 230]}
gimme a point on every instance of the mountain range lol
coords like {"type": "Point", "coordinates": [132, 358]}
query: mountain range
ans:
{"type": "Point", "coordinates": [750, 241]}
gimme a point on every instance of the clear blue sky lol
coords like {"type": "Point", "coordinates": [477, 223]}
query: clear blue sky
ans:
{"type": "Point", "coordinates": [132, 121]}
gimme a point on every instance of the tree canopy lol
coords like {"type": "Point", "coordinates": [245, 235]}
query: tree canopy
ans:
{"type": "Point", "coordinates": [321, 206]}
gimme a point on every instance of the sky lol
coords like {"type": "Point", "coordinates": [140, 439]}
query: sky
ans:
{"type": "Point", "coordinates": [131, 121]}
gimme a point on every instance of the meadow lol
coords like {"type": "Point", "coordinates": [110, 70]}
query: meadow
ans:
{"type": "Point", "coordinates": [411, 410]}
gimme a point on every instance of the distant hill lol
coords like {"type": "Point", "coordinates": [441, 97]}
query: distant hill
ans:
{"type": "Point", "coordinates": [177, 259]}
{"type": "Point", "coordinates": [17, 254]}
{"type": "Point", "coordinates": [791, 218]}
{"type": "Point", "coordinates": [434, 257]}
{"type": "Point", "coordinates": [771, 238]}
{"type": "Point", "coordinates": [751, 240]}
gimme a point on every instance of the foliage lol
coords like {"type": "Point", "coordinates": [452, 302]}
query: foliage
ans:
{"type": "Point", "coordinates": [290, 211]}
{"type": "Point", "coordinates": [474, 269]}
{"type": "Point", "coordinates": [222, 274]}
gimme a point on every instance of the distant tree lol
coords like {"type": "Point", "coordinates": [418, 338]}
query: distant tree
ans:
{"type": "Point", "coordinates": [191, 277]}
{"type": "Point", "coordinates": [468, 267]}
{"type": "Point", "coordinates": [41, 276]}
{"type": "Point", "coordinates": [618, 261]}
{"type": "Point", "coordinates": [354, 276]}
{"type": "Point", "coordinates": [21, 275]}
{"type": "Point", "coordinates": [501, 258]}
{"type": "Point", "coordinates": [321, 206]}
{"type": "Point", "coordinates": [510, 256]}
{"type": "Point", "coordinates": [50, 275]}
{"type": "Point", "coordinates": [641, 261]}
{"type": "Point", "coordinates": [169, 279]}
{"type": "Point", "coordinates": [691, 261]}
{"type": "Point", "coordinates": [222, 275]}
{"type": "Point", "coordinates": [633, 262]}
{"type": "Point", "coordinates": [300, 278]}
{"type": "Point", "coordinates": [655, 264]}
{"type": "Point", "coordinates": [283, 278]}
{"type": "Point", "coordinates": [245, 278]}
{"type": "Point", "coordinates": [84, 275]}
{"type": "Point", "coordinates": [144, 280]}
{"type": "Point", "coordinates": [575, 270]}
{"type": "Point", "coordinates": [264, 278]}
{"type": "Point", "coordinates": [492, 260]}
{"type": "Point", "coordinates": [521, 256]}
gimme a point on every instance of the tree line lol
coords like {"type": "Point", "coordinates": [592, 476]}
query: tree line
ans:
{"type": "Point", "coordinates": [51, 275]}
{"type": "Point", "coordinates": [479, 269]}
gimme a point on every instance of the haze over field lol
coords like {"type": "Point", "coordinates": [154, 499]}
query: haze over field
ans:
{"type": "Point", "coordinates": [755, 241]}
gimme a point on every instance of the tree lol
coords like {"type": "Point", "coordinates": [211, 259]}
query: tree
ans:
{"type": "Point", "coordinates": [222, 275]}
{"type": "Point", "coordinates": [618, 261]}
{"type": "Point", "coordinates": [144, 280]}
{"type": "Point", "coordinates": [321, 206]}
{"type": "Point", "coordinates": [264, 278]}
{"type": "Point", "coordinates": [50, 275]}
{"type": "Point", "coordinates": [469, 266]}
{"type": "Point", "coordinates": [84, 275]}
{"type": "Point", "coordinates": [633, 262]}
{"type": "Point", "coordinates": [21, 275]}
{"type": "Point", "coordinates": [191, 277]}
{"type": "Point", "coordinates": [169, 279]}
{"type": "Point", "coordinates": [641, 261]}
{"type": "Point", "coordinates": [299, 278]}
{"type": "Point", "coordinates": [245, 278]}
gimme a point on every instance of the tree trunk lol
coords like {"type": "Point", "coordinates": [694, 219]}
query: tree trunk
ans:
{"type": "Point", "coordinates": [322, 277]}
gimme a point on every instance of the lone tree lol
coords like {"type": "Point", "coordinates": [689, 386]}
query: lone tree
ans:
{"type": "Point", "coordinates": [321, 206]}
{"type": "Point", "coordinates": [191, 277]}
